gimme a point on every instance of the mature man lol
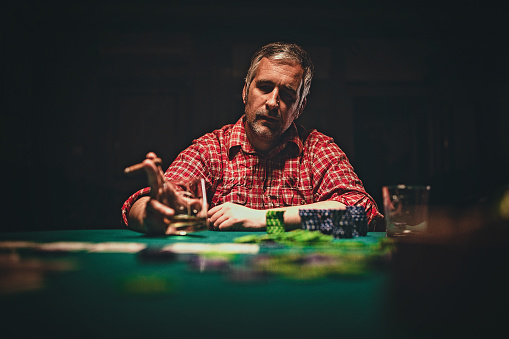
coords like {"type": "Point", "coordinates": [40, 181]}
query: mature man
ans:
{"type": "Point", "coordinates": [263, 162]}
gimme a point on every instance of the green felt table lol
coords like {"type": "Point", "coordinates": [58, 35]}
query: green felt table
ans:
{"type": "Point", "coordinates": [88, 300]}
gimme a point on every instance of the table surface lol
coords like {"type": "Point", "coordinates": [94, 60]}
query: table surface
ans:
{"type": "Point", "coordinates": [91, 299]}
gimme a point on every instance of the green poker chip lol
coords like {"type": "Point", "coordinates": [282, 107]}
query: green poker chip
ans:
{"type": "Point", "coordinates": [247, 239]}
{"type": "Point", "coordinates": [296, 237]}
{"type": "Point", "coordinates": [275, 222]}
{"type": "Point", "coordinates": [275, 229]}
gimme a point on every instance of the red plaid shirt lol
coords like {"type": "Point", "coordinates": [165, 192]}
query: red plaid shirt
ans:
{"type": "Point", "coordinates": [307, 167]}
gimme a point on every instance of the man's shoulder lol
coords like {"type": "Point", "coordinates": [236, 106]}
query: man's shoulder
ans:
{"type": "Point", "coordinates": [322, 148]}
{"type": "Point", "coordinates": [313, 138]}
{"type": "Point", "coordinates": [217, 136]}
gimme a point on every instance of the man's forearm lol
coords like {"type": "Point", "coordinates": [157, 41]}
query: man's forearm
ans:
{"type": "Point", "coordinates": [292, 217]}
{"type": "Point", "coordinates": [137, 214]}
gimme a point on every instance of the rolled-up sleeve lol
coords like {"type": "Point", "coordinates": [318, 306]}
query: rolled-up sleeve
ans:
{"type": "Point", "coordinates": [335, 179]}
{"type": "Point", "coordinates": [128, 204]}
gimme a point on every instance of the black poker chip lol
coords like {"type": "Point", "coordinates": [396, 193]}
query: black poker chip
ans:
{"type": "Point", "coordinates": [359, 219]}
{"type": "Point", "coordinates": [343, 226]}
{"type": "Point", "coordinates": [317, 220]}
{"type": "Point", "coordinates": [349, 223]}
{"type": "Point", "coordinates": [310, 219]}
{"type": "Point", "coordinates": [327, 224]}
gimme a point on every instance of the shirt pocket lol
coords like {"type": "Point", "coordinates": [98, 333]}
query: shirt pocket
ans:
{"type": "Point", "coordinates": [236, 194]}
{"type": "Point", "coordinates": [295, 194]}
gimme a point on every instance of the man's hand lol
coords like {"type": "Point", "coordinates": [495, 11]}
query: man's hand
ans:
{"type": "Point", "coordinates": [230, 216]}
{"type": "Point", "coordinates": [151, 214]}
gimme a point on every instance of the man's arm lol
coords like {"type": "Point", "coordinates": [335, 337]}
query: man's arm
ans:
{"type": "Point", "coordinates": [338, 181]}
{"type": "Point", "coordinates": [136, 215]}
{"type": "Point", "coordinates": [151, 214]}
{"type": "Point", "coordinates": [148, 215]}
{"type": "Point", "coordinates": [230, 216]}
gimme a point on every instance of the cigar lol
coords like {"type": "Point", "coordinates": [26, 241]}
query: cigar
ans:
{"type": "Point", "coordinates": [137, 167]}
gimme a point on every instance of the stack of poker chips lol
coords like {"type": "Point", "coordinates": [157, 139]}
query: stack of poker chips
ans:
{"type": "Point", "coordinates": [349, 223]}
{"type": "Point", "coordinates": [309, 220]}
{"type": "Point", "coordinates": [317, 220]}
{"type": "Point", "coordinates": [275, 222]}
{"type": "Point", "coordinates": [342, 224]}
{"type": "Point", "coordinates": [359, 220]}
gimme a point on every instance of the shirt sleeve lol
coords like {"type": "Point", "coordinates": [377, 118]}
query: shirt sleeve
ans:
{"type": "Point", "coordinates": [335, 179]}
{"type": "Point", "coordinates": [128, 204]}
{"type": "Point", "coordinates": [188, 164]}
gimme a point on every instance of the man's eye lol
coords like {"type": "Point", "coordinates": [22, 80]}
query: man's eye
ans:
{"type": "Point", "coordinates": [287, 97]}
{"type": "Point", "coordinates": [265, 89]}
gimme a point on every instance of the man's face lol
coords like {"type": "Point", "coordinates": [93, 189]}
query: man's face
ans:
{"type": "Point", "coordinates": [272, 102]}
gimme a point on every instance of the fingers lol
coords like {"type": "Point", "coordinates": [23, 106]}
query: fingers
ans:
{"type": "Point", "coordinates": [157, 208]}
{"type": "Point", "coordinates": [151, 156]}
{"type": "Point", "coordinates": [214, 210]}
{"type": "Point", "coordinates": [236, 217]}
{"type": "Point", "coordinates": [136, 168]}
{"type": "Point", "coordinates": [158, 217]}
{"type": "Point", "coordinates": [157, 161]}
{"type": "Point", "coordinates": [213, 214]}
{"type": "Point", "coordinates": [221, 217]}
{"type": "Point", "coordinates": [155, 180]}
{"type": "Point", "coordinates": [224, 223]}
{"type": "Point", "coordinates": [161, 189]}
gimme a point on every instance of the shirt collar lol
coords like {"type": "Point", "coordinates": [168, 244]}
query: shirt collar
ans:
{"type": "Point", "coordinates": [239, 140]}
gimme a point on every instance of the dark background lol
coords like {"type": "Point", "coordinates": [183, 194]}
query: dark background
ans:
{"type": "Point", "coordinates": [412, 94]}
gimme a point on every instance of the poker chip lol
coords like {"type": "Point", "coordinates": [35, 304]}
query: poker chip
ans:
{"type": "Point", "coordinates": [327, 225]}
{"type": "Point", "coordinates": [359, 220]}
{"type": "Point", "coordinates": [310, 219]}
{"type": "Point", "coordinates": [317, 220]}
{"type": "Point", "coordinates": [343, 227]}
{"type": "Point", "coordinates": [247, 239]}
{"type": "Point", "coordinates": [275, 222]}
{"type": "Point", "coordinates": [296, 237]}
{"type": "Point", "coordinates": [349, 223]}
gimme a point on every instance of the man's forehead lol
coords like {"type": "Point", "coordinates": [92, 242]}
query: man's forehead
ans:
{"type": "Point", "coordinates": [282, 60]}
{"type": "Point", "coordinates": [267, 65]}
{"type": "Point", "coordinates": [265, 61]}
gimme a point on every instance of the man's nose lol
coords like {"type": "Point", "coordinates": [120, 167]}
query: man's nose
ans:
{"type": "Point", "coordinates": [273, 99]}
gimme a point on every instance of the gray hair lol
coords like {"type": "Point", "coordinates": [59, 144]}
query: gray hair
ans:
{"type": "Point", "coordinates": [287, 52]}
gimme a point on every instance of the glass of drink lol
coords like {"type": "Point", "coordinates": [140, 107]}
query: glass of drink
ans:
{"type": "Point", "coordinates": [406, 209]}
{"type": "Point", "coordinates": [190, 205]}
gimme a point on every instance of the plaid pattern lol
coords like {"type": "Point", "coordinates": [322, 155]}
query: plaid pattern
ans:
{"type": "Point", "coordinates": [307, 167]}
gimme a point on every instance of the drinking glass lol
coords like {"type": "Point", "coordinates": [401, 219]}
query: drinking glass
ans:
{"type": "Point", "coordinates": [190, 205]}
{"type": "Point", "coordinates": [406, 209]}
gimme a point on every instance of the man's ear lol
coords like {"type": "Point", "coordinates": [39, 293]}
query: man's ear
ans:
{"type": "Point", "coordinates": [244, 94]}
{"type": "Point", "coordinates": [301, 108]}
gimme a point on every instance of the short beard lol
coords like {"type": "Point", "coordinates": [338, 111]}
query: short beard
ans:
{"type": "Point", "coordinates": [268, 134]}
